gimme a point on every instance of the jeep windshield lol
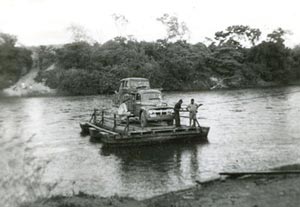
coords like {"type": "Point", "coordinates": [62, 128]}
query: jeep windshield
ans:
{"type": "Point", "coordinates": [151, 97]}
{"type": "Point", "coordinates": [139, 84]}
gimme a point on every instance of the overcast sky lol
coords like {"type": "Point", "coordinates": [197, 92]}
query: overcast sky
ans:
{"type": "Point", "coordinates": [37, 22]}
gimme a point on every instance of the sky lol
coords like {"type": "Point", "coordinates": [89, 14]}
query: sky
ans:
{"type": "Point", "coordinates": [43, 22]}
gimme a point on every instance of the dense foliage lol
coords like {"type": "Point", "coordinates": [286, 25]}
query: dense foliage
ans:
{"type": "Point", "coordinates": [236, 58]}
{"type": "Point", "coordinates": [83, 68]}
{"type": "Point", "coordinates": [14, 61]}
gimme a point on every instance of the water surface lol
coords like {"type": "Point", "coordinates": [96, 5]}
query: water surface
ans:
{"type": "Point", "coordinates": [43, 154]}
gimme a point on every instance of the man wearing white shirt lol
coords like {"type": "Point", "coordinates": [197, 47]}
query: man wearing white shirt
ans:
{"type": "Point", "coordinates": [192, 108]}
{"type": "Point", "coordinates": [123, 110]}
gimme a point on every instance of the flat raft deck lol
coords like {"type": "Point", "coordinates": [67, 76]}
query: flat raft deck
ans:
{"type": "Point", "coordinates": [112, 135]}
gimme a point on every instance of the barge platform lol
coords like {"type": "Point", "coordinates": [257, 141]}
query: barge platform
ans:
{"type": "Point", "coordinates": [113, 132]}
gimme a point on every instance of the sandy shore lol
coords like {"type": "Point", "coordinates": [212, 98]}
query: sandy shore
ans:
{"type": "Point", "coordinates": [252, 191]}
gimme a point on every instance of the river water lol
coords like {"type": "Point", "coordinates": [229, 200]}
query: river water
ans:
{"type": "Point", "coordinates": [43, 154]}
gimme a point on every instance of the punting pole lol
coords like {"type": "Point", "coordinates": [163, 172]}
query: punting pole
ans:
{"type": "Point", "coordinates": [261, 173]}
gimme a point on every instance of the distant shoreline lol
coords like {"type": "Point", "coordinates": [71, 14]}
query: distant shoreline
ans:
{"type": "Point", "coordinates": [65, 94]}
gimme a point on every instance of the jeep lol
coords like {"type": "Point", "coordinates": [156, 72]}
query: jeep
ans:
{"type": "Point", "coordinates": [145, 103]}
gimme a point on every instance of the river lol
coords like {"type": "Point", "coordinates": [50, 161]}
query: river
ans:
{"type": "Point", "coordinates": [43, 154]}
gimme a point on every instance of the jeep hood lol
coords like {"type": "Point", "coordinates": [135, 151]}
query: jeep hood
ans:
{"type": "Point", "coordinates": [156, 106]}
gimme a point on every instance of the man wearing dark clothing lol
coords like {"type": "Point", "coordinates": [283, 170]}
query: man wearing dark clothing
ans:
{"type": "Point", "coordinates": [177, 108]}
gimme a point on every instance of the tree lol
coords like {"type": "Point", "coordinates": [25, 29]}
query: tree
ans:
{"type": "Point", "coordinates": [277, 36]}
{"type": "Point", "coordinates": [226, 61]}
{"type": "Point", "coordinates": [273, 60]}
{"type": "Point", "coordinates": [121, 23]}
{"type": "Point", "coordinates": [237, 35]}
{"type": "Point", "coordinates": [14, 61]}
{"type": "Point", "coordinates": [8, 40]}
{"type": "Point", "coordinates": [175, 30]}
{"type": "Point", "coordinates": [296, 62]}
{"type": "Point", "coordinates": [79, 33]}
{"type": "Point", "coordinates": [272, 57]}
{"type": "Point", "coordinates": [74, 55]}
{"type": "Point", "coordinates": [45, 56]}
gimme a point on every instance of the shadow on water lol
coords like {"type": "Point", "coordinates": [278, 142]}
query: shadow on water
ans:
{"type": "Point", "coordinates": [154, 149]}
{"type": "Point", "coordinates": [160, 156]}
{"type": "Point", "coordinates": [167, 165]}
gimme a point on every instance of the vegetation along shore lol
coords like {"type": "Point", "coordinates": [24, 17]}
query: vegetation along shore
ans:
{"type": "Point", "coordinates": [235, 57]}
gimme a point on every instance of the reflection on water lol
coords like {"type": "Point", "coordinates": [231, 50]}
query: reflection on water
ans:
{"type": "Point", "coordinates": [43, 153]}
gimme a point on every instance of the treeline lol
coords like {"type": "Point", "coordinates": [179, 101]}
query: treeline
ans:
{"type": "Point", "coordinates": [83, 68]}
{"type": "Point", "coordinates": [14, 61]}
{"type": "Point", "coordinates": [236, 57]}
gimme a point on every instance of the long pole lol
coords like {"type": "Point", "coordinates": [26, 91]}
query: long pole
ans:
{"type": "Point", "coordinates": [261, 173]}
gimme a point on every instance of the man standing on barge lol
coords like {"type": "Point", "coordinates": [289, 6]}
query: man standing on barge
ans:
{"type": "Point", "coordinates": [177, 108]}
{"type": "Point", "coordinates": [192, 108]}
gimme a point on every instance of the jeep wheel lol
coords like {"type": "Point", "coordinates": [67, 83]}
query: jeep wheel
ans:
{"type": "Point", "coordinates": [143, 119]}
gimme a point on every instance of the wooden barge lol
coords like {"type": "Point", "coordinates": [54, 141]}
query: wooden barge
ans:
{"type": "Point", "coordinates": [114, 132]}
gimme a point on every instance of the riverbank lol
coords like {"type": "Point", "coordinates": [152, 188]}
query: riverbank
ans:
{"type": "Point", "coordinates": [83, 200]}
{"type": "Point", "coordinates": [259, 190]}
{"type": "Point", "coordinates": [28, 87]}
{"type": "Point", "coordinates": [35, 84]}
{"type": "Point", "coordinates": [277, 190]}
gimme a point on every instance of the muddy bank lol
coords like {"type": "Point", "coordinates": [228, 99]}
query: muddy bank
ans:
{"type": "Point", "coordinates": [259, 190]}
{"type": "Point", "coordinates": [277, 190]}
{"type": "Point", "coordinates": [83, 200]}
{"type": "Point", "coordinates": [254, 191]}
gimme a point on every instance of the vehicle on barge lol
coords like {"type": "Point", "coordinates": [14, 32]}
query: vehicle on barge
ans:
{"type": "Point", "coordinates": [143, 102]}
{"type": "Point", "coordinates": [151, 119]}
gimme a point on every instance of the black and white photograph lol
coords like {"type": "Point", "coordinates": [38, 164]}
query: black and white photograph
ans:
{"type": "Point", "coordinates": [162, 103]}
